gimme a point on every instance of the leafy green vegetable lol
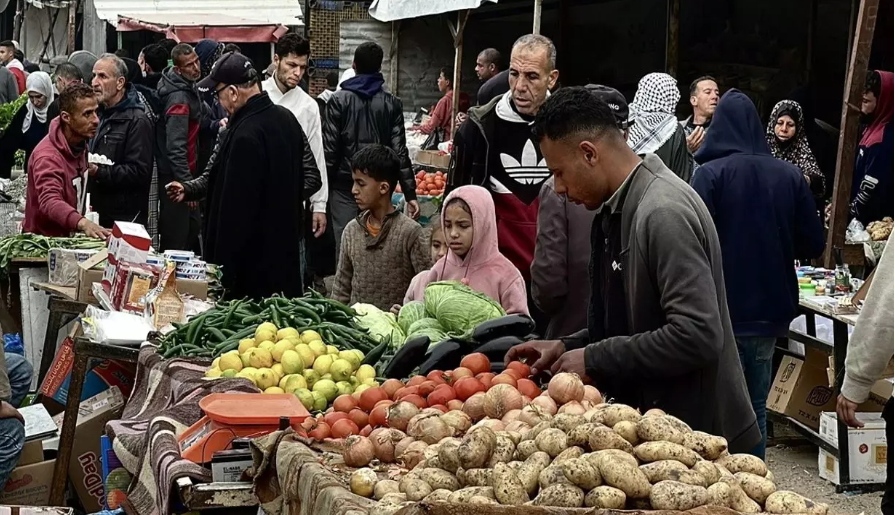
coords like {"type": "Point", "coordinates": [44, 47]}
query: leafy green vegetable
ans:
{"type": "Point", "coordinates": [379, 323]}
{"type": "Point", "coordinates": [410, 313]}
{"type": "Point", "coordinates": [459, 308]}
{"type": "Point", "coordinates": [8, 111]}
{"type": "Point", "coordinates": [35, 246]}
{"type": "Point", "coordinates": [425, 323]}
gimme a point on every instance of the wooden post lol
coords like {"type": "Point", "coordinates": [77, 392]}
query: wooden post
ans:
{"type": "Point", "coordinates": [536, 25]}
{"type": "Point", "coordinates": [672, 36]}
{"type": "Point", "coordinates": [848, 136]}
{"type": "Point", "coordinates": [457, 33]}
{"type": "Point", "coordinates": [19, 20]}
{"type": "Point", "coordinates": [393, 58]}
{"type": "Point", "coordinates": [72, 25]}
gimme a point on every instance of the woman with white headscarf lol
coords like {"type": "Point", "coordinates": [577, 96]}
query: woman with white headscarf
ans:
{"type": "Point", "coordinates": [29, 125]}
{"type": "Point", "coordinates": [656, 129]}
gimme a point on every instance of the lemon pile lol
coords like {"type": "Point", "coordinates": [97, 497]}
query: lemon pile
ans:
{"type": "Point", "coordinates": [286, 361]}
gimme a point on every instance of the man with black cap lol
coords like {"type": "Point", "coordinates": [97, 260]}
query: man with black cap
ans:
{"type": "Point", "coordinates": [562, 248]}
{"type": "Point", "coordinates": [256, 184]}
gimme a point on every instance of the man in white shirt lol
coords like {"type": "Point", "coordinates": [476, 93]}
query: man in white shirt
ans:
{"type": "Point", "coordinates": [290, 62]}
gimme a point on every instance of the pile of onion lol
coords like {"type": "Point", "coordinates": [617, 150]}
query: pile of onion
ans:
{"type": "Point", "coordinates": [358, 451]}
{"type": "Point", "coordinates": [501, 399]}
{"type": "Point", "coordinates": [565, 387]}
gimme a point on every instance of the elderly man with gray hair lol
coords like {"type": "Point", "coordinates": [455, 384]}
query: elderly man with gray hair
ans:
{"type": "Point", "coordinates": [119, 188]}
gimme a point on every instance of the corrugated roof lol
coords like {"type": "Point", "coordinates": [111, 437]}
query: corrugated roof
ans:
{"type": "Point", "coordinates": [203, 12]}
{"type": "Point", "coordinates": [392, 10]}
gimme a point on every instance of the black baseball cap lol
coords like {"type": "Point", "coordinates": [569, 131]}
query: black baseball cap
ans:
{"type": "Point", "coordinates": [616, 102]}
{"type": "Point", "coordinates": [230, 69]}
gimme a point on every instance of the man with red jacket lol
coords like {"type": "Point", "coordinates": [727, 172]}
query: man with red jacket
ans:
{"type": "Point", "coordinates": [57, 188]}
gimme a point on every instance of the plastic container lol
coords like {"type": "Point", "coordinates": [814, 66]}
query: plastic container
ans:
{"type": "Point", "coordinates": [253, 408]}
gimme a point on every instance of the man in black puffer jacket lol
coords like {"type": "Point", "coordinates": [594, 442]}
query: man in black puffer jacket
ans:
{"type": "Point", "coordinates": [359, 115]}
{"type": "Point", "coordinates": [120, 191]}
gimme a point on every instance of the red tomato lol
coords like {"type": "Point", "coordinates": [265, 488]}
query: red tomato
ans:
{"type": "Point", "coordinates": [523, 369]}
{"type": "Point", "coordinates": [377, 417]}
{"type": "Point", "coordinates": [504, 379]}
{"type": "Point", "coordinates": [459, 373]}
{"type": "Point", "coordinates": [466, 387]}
{"type": "Point", "coordinates": [477, 362]}
{"type": "Point", "coordinates": [407, 390]}
{"type": "Point", "coordinates": [358, 417]}
{"type": "Point", "coordinates": [486, 379]}
{"type": "Point", "coordinates": [528, 388]}
{"type": "Point", "coordinates": [440, 407]}
{"type": "Point", "coordinates": [437, 376]}
{"type": "Point", "coordinates": [335, 416]}
{"type": "Point", "coordinates": [370, 397]}
{"type": "Point", "coordinates": [416, 380]}
{"type": "Point", "coordinates": [426, 388]}
{"type": "Point", "coordinates": [511, 372]}
{"type": "Point", "coordinates": [442, 395]}
{"type": "Point", "coordinates": [417, 401]}
{"type": "Point", "coordinates": [344, 428]}
{"type": "Point", "coordinates": [455, 404]}
{"type": "Point", "coordinates": [344, 403]}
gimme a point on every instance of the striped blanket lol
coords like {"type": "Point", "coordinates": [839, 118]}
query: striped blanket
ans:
{"type": "Point", "coordinates": [164, 403]}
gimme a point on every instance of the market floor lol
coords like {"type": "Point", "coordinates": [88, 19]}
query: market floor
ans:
{"type": "Point", "coordinates": [795, 468]}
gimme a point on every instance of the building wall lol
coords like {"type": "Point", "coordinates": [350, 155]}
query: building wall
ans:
{"type": "Point", "coordinates": [325, 25]}
{"type": "Point", "coordinates": [38, 28]}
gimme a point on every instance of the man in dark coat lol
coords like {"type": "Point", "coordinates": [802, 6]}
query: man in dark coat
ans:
{"type": "Point", "coordinates": [120, 191]}
{"type": "Point", "coordinates": [659, 333]}
{"type": "Point", "coordinates": [765, 215]}
{"type": "Point", "coordinates": [258, 165]}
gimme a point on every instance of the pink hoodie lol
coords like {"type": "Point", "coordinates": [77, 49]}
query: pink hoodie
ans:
{"type": "Point", "coordinates": [484, 268]}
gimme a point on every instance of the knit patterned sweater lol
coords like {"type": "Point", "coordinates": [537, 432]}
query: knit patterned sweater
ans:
{"type": "Point", "coordinates": [377, 270]}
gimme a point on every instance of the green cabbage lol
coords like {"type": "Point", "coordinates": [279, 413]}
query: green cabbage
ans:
{"type": "Point", "coordinates": [459, 308]}
{"type": "Point", "coordinates": [410, 313]}
{"type": "Point", "coordinates": [424, 323]}
{"type": "Point", "coordinates": [379, 324]}
{"type": "Point", "coordinates": [435, 336]}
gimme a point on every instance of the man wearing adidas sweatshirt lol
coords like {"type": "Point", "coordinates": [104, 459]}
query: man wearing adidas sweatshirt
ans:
{"type": "Point", "coordinates": [494, 148]}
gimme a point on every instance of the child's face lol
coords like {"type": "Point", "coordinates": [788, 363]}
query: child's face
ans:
{"type": "Point", "coordinates": [439, 246]}
{"type": "Point", "coordinates": [458, 229]}
{"type": "Point", "coordinates": [367, 191]}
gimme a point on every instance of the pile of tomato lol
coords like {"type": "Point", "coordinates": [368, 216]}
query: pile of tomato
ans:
{"type": "Point", "coordinates": [430, 183]}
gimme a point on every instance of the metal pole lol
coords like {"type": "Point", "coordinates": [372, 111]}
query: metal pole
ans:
{"type": "Point", "coordinates": [462, 16]}
{"type": "Point", "coordinates": [672, 35]}
{"type": "Point", "coordinates": [72, 25]}
{"type": "Point", "coordinates": [536, 28]}
{"type": "Point", "coordinates": [19, 20]}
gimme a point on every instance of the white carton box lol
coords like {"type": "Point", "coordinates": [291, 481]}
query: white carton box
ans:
{"type": "Point", "coordinates": [867, 449]}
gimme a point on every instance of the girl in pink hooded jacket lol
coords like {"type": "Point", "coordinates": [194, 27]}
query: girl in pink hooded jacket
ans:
{"type": "Point", "coordinates": [470, 230]}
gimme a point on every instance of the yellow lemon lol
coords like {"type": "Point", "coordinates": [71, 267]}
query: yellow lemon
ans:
{"type": "Point", "coordinates": [267, 345]}
{"type": "Point", "coordinates": [293, 382]}
{"type": "Point", "coordinates": [292, 362]}
{"type": "Point", "coordinates": [278, 370]}
{"type": "Point", "coordinates": [245, 356]}
{"type": "Point", "coordinates": [351, 357]}
{"type": "Point", "coordinates": [322, 364]}
{"type": "Point", "coordinates": [230, 362]}
{"type": "Point", "coordinates": [288, 332]}
{"type": "Point", "coordinates": [214, 363]}
{"type": "Point", "coordinates": [229, 373]}
{"type": "Point", "coordinates": [260, 358]}
{"type": "Point", "coordinates": [213, 372]}
{"type": "Point", "coordinates": [309, 336]}
{"type": "Point", "coordinates": [306, 397]}
{"type": "Point", "coordinates": [359, 389]}
{"type": "Point", "coordinates": [280, 347]}
{"type": "Point", "coordinates": [246, 344]}
{"type": "Point", "coordinates": [262, 335]}
{"type": "Point", "coordinates": [310, 376]}
{"type": "Point", "coordinates": [340, 369]}
{"type": "Point", "coordinates": [307, 355]}
{"type": "Point", "coordinates": [249, 370]}
{"type": "Point", "coordinates": [317, 347]}
{"type": "Point", "coordinates": [359, 354]}
{"type": "Point", "coordinates": [365, 372]}
{"type": "Point", "coordinates": [344, 388]}
{"type": "Point", "coordinates": [320, 401]}
{"type": "Point", "coordinates": [266, 326]}
{"type": "Point", "coordinates": [265, 378]}
{"type": "Point", "coordinates": [274, 389]}
{"type": "Point", "coordinates": [245, 375]}
{"type": "Point", "coordinates": [326, 387]}
{"type": "Point", "coordinates": [332, 349]}
{"type": "Point", "coordinates": [371, 382]}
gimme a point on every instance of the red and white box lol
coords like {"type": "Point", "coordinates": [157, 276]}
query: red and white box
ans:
{"type": "Point", "coordinates": [129, 242]}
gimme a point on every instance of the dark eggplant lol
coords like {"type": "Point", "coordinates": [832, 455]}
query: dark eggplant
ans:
{"type": "Point", "coordinates": [408, 357]}
{"type": "Point", "coordinates": [497, 348]}
{"type": "Point", "coordinates": [444, 356]}
{"type": "Point", "coordinates": [510, 325]}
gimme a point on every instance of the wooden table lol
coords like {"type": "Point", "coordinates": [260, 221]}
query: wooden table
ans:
{"type": "Point", "coordinates": [84, 350]}
{"type": "Point", "coordinates": [63, 308]}
{"type": "Point", "coordinates": [838, 349]}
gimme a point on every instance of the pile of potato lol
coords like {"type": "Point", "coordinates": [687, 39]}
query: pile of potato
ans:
{"type": "Point", "coordinates": [611, 457]}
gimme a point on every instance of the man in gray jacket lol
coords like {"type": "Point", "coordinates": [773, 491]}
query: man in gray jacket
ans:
{"type": "Point", "coordinates": [9, 91]}
{"type": "Point", "coordinates": [869, 350]}
{"type": "Point", "coordinates": [659, 333]}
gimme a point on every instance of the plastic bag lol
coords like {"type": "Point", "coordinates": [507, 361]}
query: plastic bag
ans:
{"type": "Point", "coordinates": [12, 344]}
{"type": "Point", "coordinates": [856, 233]}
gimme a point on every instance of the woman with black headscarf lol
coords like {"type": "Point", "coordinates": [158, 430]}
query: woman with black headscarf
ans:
{"type": "Point", "coordinates": [788, 142]}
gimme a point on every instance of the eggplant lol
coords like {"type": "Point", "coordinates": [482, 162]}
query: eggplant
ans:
{"type": "Point", "coordinates": [497, 348]}
{"type": "Point", "coordinates": [510, 325]}
{"type": "Point", "coordinates": [408, 357]}
{"type": "Point", "coordinates": [444, 356]}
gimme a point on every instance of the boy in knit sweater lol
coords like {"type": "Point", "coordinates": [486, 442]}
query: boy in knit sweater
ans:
{"type": "Point", "coordinates": [382, 249]}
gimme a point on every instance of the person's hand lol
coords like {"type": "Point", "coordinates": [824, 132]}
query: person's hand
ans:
{"type": "Point", "coordinates": [461, 117]}
{"type": "Point", "coordinates": [318, 224]}
{"type": "Point", "coordinates": [572, 362]}
{"type": "Point", "coordinates": [395, 309]}
{"type": "Point", "coordinates": [412, 209]}
{"type": "Point", "coordinates": [539, 354]}
{"type": "Point", "coordinates": [223, 123]}
{"type": "Point", "coordinates": [92, 168]}
{"type": "Point", "coordinates": [694, 140]}
{"type": "Point", "coordinates": [807, 179]}
{"type": "Point", "coordinates": [93, 230]}
{"type": "Point", "coordinates": [846, 411]}
{"type": "Point", "coordinates": [175, 191]}
{"type": "Point", "coordinates": [8, 411]}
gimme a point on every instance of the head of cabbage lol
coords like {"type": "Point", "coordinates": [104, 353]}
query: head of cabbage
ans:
{"type": "Point", "coordinates": [379, 324]}
{"type": "Point", "coordinates": [459, 308]}
{"type": "Point", "coordinates": [410, 313]}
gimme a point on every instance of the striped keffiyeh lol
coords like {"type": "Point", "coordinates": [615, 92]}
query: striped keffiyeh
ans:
{"type": "Point", "coordinates": [653, 112]}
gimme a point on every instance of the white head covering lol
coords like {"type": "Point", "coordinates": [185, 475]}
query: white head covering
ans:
{"type": "Point", "coordinates": [653, 112]}
{"type": "Point", "coordinates": [38, 82]}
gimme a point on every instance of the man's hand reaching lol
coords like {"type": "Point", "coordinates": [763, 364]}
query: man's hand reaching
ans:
{"type": "Point", "coordinates": [94, 231]}
{"type": "Point", "coordinates": [318, 224]}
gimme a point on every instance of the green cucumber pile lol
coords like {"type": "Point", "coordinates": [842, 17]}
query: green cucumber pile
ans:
{"type": "Point", "coordinates": [220, 329]}
{"type": "Point", "coordinates": [35, 246]}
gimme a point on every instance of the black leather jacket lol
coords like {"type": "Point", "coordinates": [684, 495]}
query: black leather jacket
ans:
{"type": "Point", "coordinates": [354, 119]}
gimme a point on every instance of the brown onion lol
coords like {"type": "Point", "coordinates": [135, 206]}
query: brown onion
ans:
{"type": "Point", "coordinates": [511, 416]}
{"type": "Point", "coordinates": [545, 403]}
{"type": "Point", "coordinates": [532, 414]}
{"type": "Point", "coordinates": [501, 399]}
{"type": "Point", "coordinates": [429, 428]}
{"type": "Point", "coordinates": [475, 406]}
{"type": "Point", "coordinates": [526, 400]}
{"type": "Point", "coordinates": [384, 444]}
{"type": "Point", "coordinates": [565, 387]}
{"type": "Point", "coordinates": [413, 454]}
{"type": "Point", "coordinates": [592, 395]}
{"type": "Point", "coordinates": [517, 427]}
{"type": "Point", "coordinates": [572, 407]}
{"type": "Point", "coordinates": [492, 424]}
{"type": "Point", "coordinates": [459, 421]}
{"type": "Point", "coordinates": [401, 446]}
{"type": "Point", "coordinates": [358, 451]}
{"type": "Point", "coordinates": [432, 411]}
{"type": "Point", "coordinates": [398, 415]}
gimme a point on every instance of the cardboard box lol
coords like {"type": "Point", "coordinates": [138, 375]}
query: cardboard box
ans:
{"type": "Point", "coordinates": [29, 484]}
{"type": "Point", "coordinates": [128, 242]}
{"type": "Point", "coordinates": [62, 265]}
{"type": "Point", "coordinates": [867, 450]}
{"type": "Point", "coordinates": [800, 390]}
{"type": "Point", "coordinates": [35, 510]}
{"type": "Point", "coordinates": [433, 158]}
{"type": "Point", "coordinates": [32, 453]}
{"type": "Point", "coordinates": [88, 274]}
{"type": "Point", "coordinates": [85, 469]}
